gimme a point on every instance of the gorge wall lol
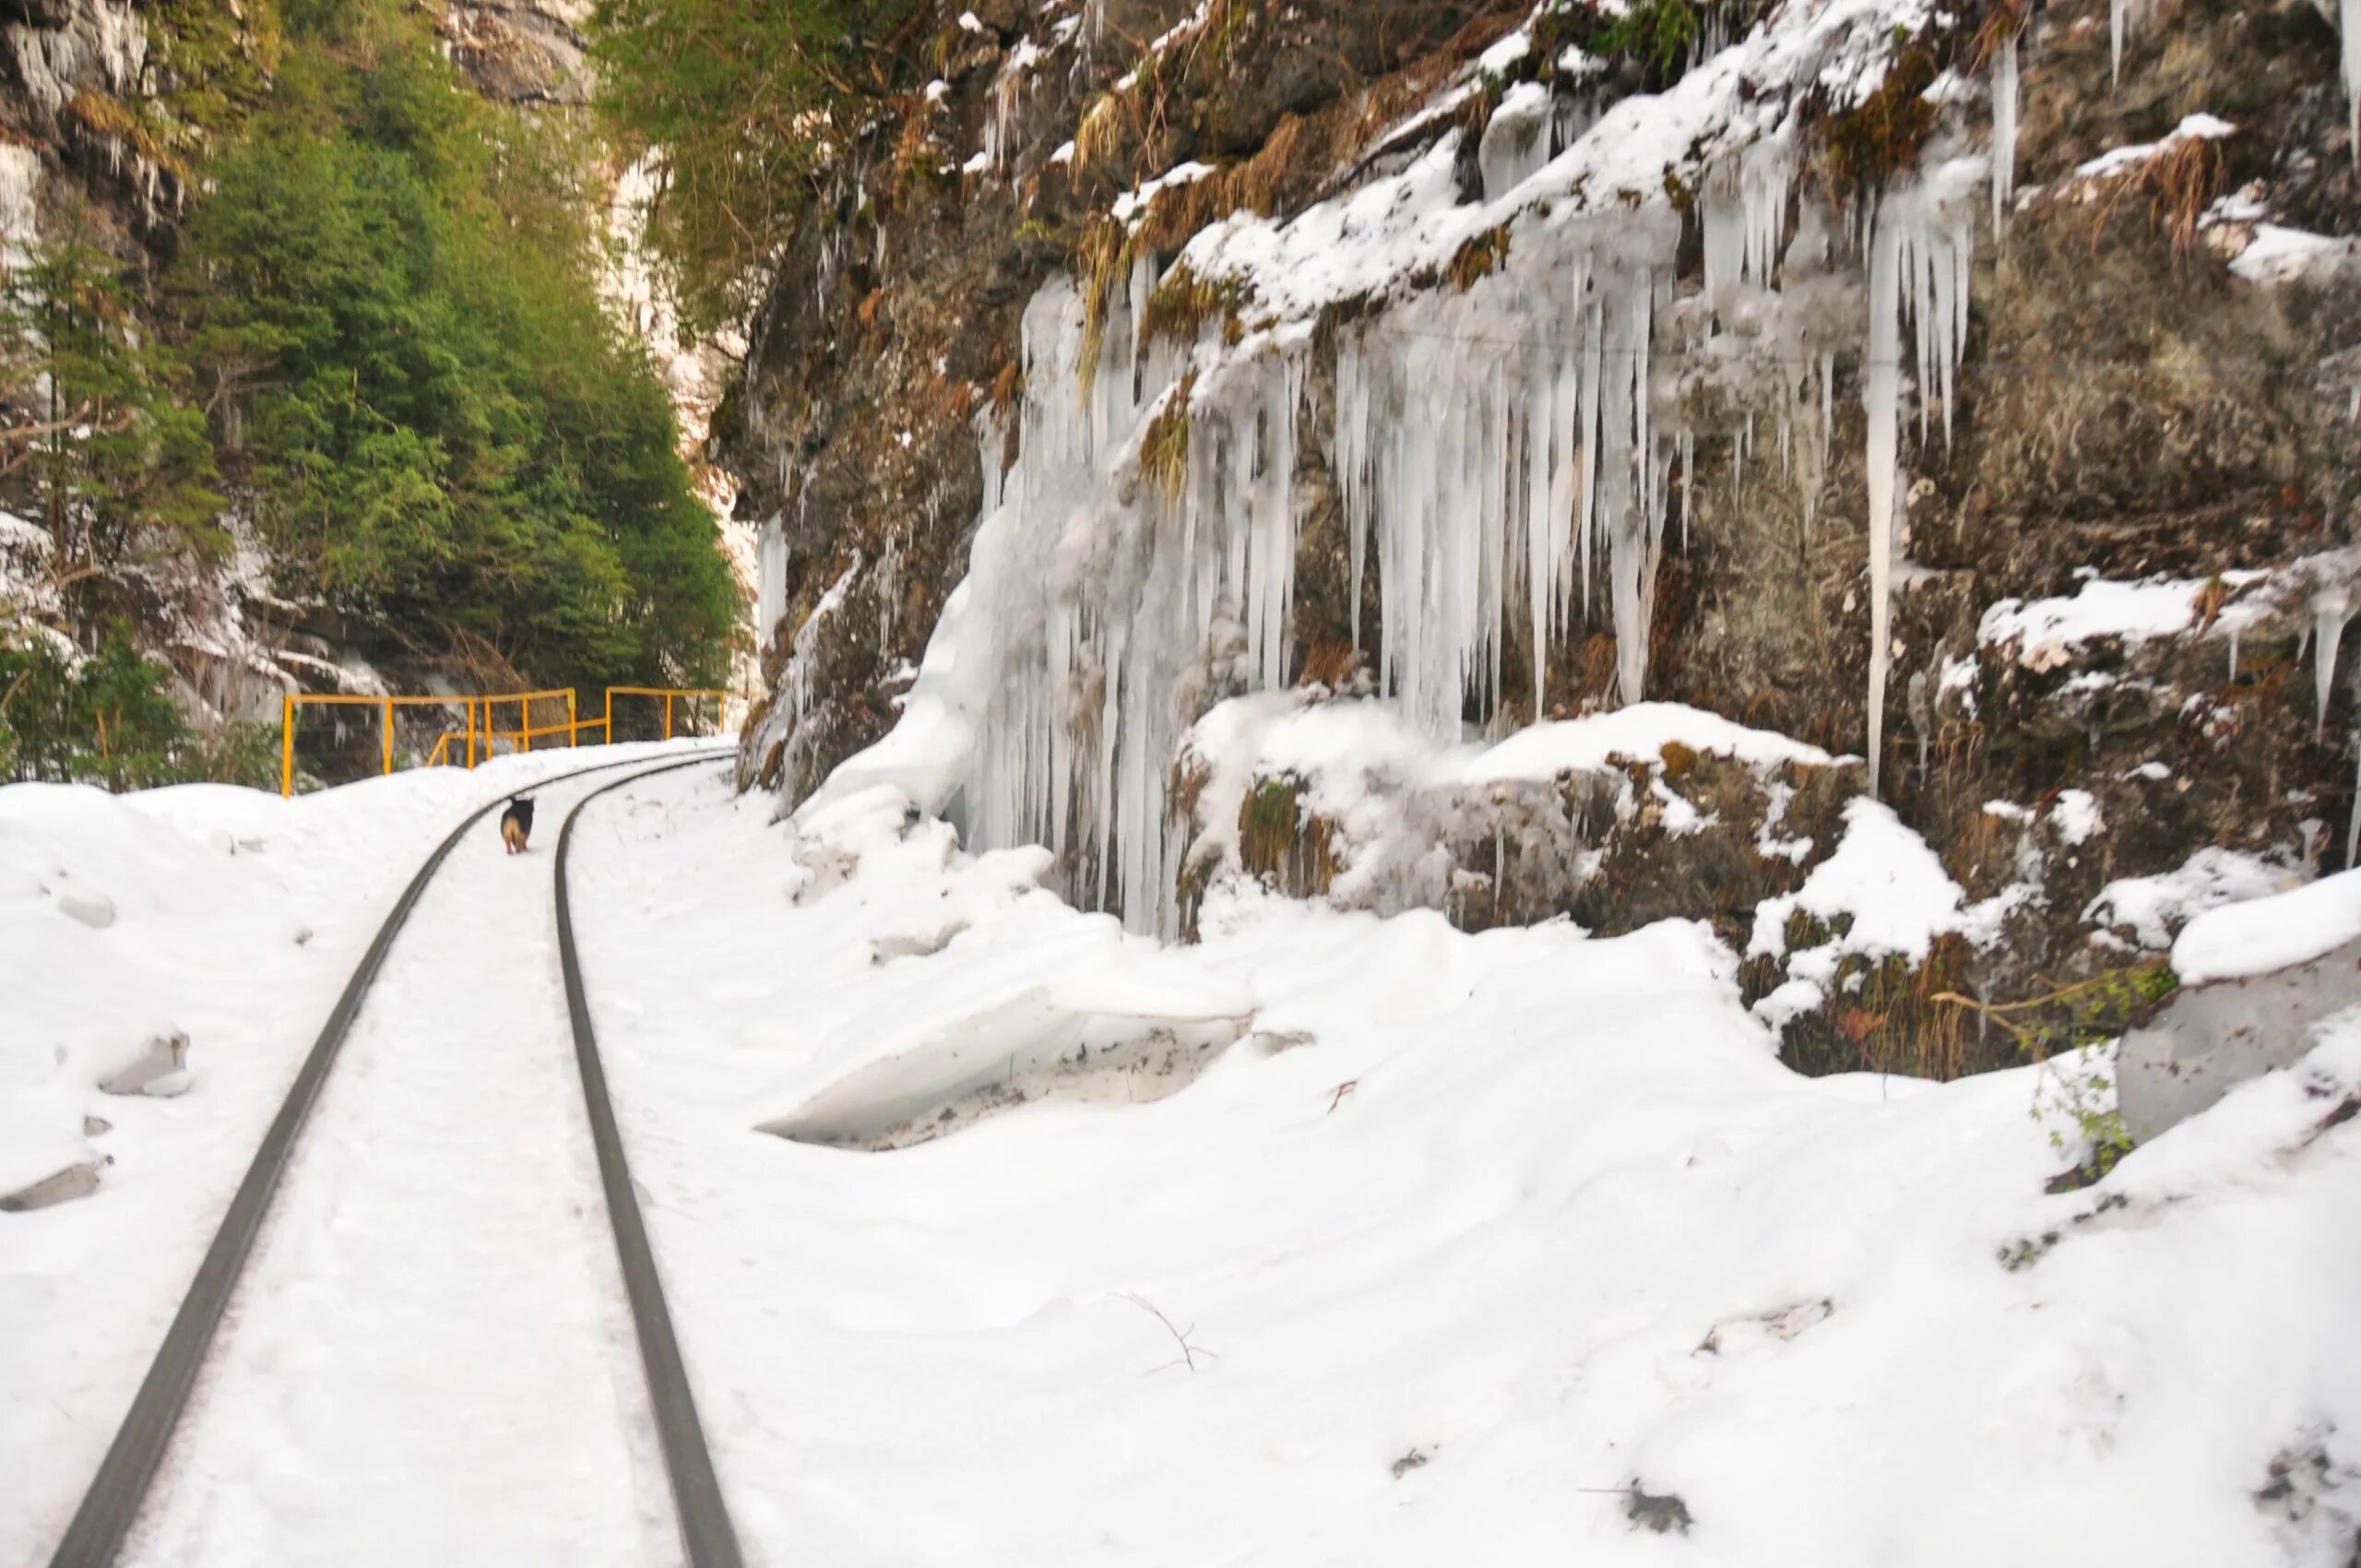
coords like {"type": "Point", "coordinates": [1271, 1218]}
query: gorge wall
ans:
{"type": "Point", "coordinates": [116, 119]}
{"type": "Point", "coordinates": [1514, 363]}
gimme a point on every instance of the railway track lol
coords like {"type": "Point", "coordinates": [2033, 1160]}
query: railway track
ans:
{"type": "Point", "coordinates": [124, 1493]}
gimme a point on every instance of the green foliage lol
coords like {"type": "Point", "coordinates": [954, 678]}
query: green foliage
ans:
{"type": "Point", "coordinates": [107, 719]}
{"type": "Point", "coordinates": [1656, 37]}
{"type": "Point", "coordinates": [117, 463]}
{"type": "Point", "coordinates": [1658, 34]}
{"type": "Point", "coordinates": [2086, 1013]}
{"type": "Point", "coordinates": [2074, 1100]}
{"type": "Point", "coordinates": [390, 292]}
{"type": "Point", "coordinates": [218, 57]}
{"type": "Point", "coordinates": [751, 106]}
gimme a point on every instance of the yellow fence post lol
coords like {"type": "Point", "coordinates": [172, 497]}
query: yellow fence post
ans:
{"type": "Point", "coordinates": [610, 729]}
{"type": "Point", "coordinates": [470, 705]}
{"type": "Point", "coordinates": [573, 721]}
{"type": "Point", "coordinates": [389, 734]}
{"type": "Point", "coordinates": [668, 716]}
{"type": "Point", "coordinates": [286, 747]}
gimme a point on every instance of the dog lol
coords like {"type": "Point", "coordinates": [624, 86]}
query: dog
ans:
{"type": "Point", "coordinates": [516, 823]}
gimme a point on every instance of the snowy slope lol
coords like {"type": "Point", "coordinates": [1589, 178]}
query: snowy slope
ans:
{"type": "Point", "coordinates": [1484, 1246]}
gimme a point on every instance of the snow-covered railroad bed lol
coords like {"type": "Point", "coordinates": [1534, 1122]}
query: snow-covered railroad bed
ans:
{"type": "Point", "coordinates": [429, 1355]}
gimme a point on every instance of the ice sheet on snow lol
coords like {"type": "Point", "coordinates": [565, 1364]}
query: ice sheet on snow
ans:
{"type": "Point", "coordinates": [2262, 934]}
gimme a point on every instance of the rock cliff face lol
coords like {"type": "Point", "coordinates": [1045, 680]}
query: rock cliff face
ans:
{"type": "Point", "coordinates": [2121, 529]}
{"type": "Point", "coordinates": [67, 66]}
{"type": "Point", "coordinates": [529, 52]}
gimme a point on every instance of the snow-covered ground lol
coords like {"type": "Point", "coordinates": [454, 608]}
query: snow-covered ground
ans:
{"type": "Point", "coordinates": [233, 918]}
{"type": "Point", "coordinates": [1473, 1239]}
{"type": "Point", "coordinates": [1331, 1240]}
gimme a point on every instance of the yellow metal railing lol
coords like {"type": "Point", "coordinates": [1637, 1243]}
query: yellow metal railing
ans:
{"type": "Point", "coordinates": [669, 695]}
{"type": "Point", "coordinates": [290, 701]}
{"type": "Point", "coordinates": [521, 738]}
{"type": "Point", "coordinates": [481, 732]}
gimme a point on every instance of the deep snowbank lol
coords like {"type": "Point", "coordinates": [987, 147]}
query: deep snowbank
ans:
{"type": "Point", "coordinates": [1466, 1235]}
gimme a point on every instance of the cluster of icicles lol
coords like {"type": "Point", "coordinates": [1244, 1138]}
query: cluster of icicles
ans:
{"type": "Point", "coordinates": [1505, 460]}
{"type": "Point", "coordinates": [1122, 604]}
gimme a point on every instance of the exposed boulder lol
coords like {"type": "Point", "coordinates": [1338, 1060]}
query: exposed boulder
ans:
{"type": "Point", "coordinates": [2260, 978]}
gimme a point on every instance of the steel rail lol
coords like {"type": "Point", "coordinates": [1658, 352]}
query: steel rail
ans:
{"type": "Point", "coordinates": [707, 1534]}
{"type": "Point", "coordinates": [112, 1505]}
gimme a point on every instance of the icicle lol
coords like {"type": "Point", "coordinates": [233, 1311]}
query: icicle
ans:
{"type": "Point", "coordinates": [2004, 129]}
{"type": "Point", "coordinates": [2331, 608]}
{"type": "Point", "coordinates": [1688, 439]}
{"type": "Point", "coordinates": [2353, 823]}
{"type": "Point", "coordinates": [1880, 398]}
{"type": "Point", "coordinates": [2348, 27]}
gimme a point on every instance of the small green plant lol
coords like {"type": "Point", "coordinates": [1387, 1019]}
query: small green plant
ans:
{"type": "Point", "coordinates": [2074, 1100]}
{"type": "Point", "coordinates": [1656, 34]}
{"type": "Point", "coordinates": [2072, 1017]}
{"type": "Point", "coordinates": [2027, 1251]}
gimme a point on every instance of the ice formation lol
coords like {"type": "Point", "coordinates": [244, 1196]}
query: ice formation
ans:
{"type": "Point", "coordinates": [1509, 474]}
{"type": "Point", "coordinates": [2332, 607]}
{"type": "Point", "coordinates": [2348, 26]}
{"type": "Point", "coordinates": [1506, 442]}
{"type": "Point", "coordinates": [2004, 130]}
{"type": "Point", "coordinates": [1920, 247]}
{"type": "Point", "coordinates": [770, 579]}
{"type": "Point", "coordinates": [19, 223]}
{"type": "Point", "coordinates": [1103, 600]}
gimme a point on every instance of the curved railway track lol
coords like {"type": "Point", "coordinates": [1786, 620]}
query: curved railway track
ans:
{"type": "Point", "coordinates": [116, 1497]}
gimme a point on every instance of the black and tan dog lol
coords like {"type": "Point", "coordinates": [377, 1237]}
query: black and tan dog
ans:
{"type": "Point", "coordinates": [516, 823]}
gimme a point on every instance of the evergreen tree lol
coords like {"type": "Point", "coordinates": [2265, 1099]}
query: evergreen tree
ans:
{"type": "Point", "coordinates": [117, 465]}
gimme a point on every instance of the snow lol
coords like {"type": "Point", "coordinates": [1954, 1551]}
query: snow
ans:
{"type": "Point", "coordinates": [2047, 630]}
{"type": "Point", "coordinates": [2123, 159]}
{"type": "Point", "coordinates": [1131, 206]}
{"type": "Point", "coordinates": [1883, 878]}
{"type": "Point", "coordinates": [2280, 255]}
{"type": "Point", "coordinates": [238, 917]}
{"type": "Point", "coordinates": [1502, 56]}
{"type": "Point", "coordinates": [1459, 1238]}
{"type": "Point", "coordinates": [1542, 1211]}
{"type": "Point", "coordinates": [1641, 732]}
{"type": "Point", "coordinates": [2241, 940]}
{"type": "Point", "coordinates": [2153, 906]}
{"type": "Point", "coordinates": [1386, 794]}
{"type": "Point", "coordinates": [2076, 816]}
